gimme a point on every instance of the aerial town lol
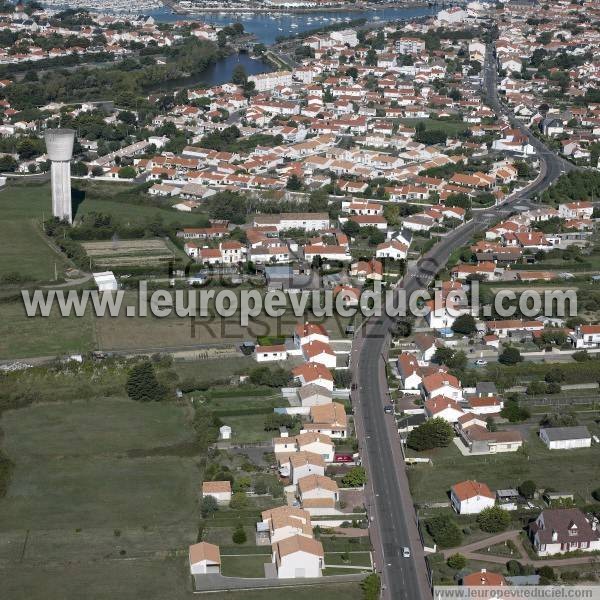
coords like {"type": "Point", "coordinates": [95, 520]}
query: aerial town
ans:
{"type": "Point", "coordinates": [448, 158]}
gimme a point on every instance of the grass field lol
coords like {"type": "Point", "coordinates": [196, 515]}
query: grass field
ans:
{"type": "Point", "coordinates": [78, 493]}
{"type": "Point", "coordinates": [579, 470]}
{"type": "Point", "coordinates": [21, 336]}
{"type": "Point", "coordinates": [24, 250]}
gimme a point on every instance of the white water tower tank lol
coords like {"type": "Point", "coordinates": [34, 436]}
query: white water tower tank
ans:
{"type": "Point", "coordinates": [59, 147]}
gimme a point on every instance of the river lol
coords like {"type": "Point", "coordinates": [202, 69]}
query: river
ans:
{"type": "Point", "coordinates": [268, 27]}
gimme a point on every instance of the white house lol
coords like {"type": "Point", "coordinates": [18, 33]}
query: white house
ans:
{"type": "Point", "coordinates": [270, 353]}
{"type": "Point", "coordinates": [442, 384]}
{"type": "Point", "coordinates": [316, 443]}
{"type": "Point", "coordinates": [586, 336]}
{"type": "Point", "coordinates": [310, 332]}
{"type": "Point", "coordinates": [219, 490]}
{"type": "Point", "coordinates": [392, 249]}
{"type": "Point", "coordinates": [443, 408]}
{"type": "Point", "coordinates": [302, 464]}
{"type": "Point", "coordinates": [313, 395]}
{"type": "Point", "coordinates": [314, 373]}
{"type": "Point", "coordinates": [298, 556]}
{"type": "Point", "coordinates": [566, 438]}
{"type": "Point", "coordinates": [471, 497]}
{"type": "Point", "coordinates": [317, 492]}
{"type": "Point", "coordinates": [285, 521]}
{"type": "Point", "coordinates": [321, 353]}
{"type": "Point", "coordinates": [560, 530]}
{"type": "Point", "coordinates": [204, 559]}
{"type": "Point", "coordinates": [409, 371]}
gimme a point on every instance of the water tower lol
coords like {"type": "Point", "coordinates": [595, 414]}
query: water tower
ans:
{"type": "Point", "coordinates": [59, 146]}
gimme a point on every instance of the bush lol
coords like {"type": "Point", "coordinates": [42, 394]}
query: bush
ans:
{"type": "Point", "coordinates": [457, 561]}
{"type": "Point", "coordinates": [238, 500]}
{"type": "Point", "coordinates": [514, 568]}
{"type": "Point", "coordinates": [434, 433]}
{"type": "Point", "coordinates": [355, 477]}
{"type": "Point", "coordinates": [277, 377]}
{"type": "Point", "coordinates": [444, 531]}
{"type": "Point", "coordinates": [514, 412]}
{"type": "Point", "coordinates": [493, 519]}
{"type": "Point", "coordinates": [239, 535]}
{"type": "Point", "coordinates": [547, 573]}
{"type": "Point", "coordinates": [371, 586]}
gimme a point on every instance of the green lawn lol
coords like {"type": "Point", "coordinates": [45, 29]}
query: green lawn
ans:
{"type": "Point", "coordinates": [244, 566]}
{"type": "Point", "coordinates": [447, 125]}
{"type": "Point", "coordinates": [579, 470]}
{"type": "Point", "coordinates": [357, 559]}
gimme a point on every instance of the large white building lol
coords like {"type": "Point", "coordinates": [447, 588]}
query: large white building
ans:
{"type": "Point", "coordinates": [269, 81]}
{"type": "Point", "coordinates": [566, 438]}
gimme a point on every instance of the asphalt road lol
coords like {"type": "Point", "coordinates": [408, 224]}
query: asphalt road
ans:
{"type": "Point", "coordinates": [393, 519]}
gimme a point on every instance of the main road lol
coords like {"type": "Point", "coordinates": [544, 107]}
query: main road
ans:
{"type": "Point", "coordinates": [393, 520]}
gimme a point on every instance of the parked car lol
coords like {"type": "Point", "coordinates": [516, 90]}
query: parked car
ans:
{"type": "Point", "coordinates": [480, 362]}
{"type": "Point", "coordinates": [388, 410]}
{"type": "Point", "coordinates": [342, 458]}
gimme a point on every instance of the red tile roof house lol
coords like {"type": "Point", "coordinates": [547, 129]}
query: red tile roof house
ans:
{"type": "Point", "coordinates": [484, 578]}
{"type": "Point", "coordinates": [310, 332]}
{"type": "Point", "coordinates": [471, 497]}
{"type": "Point", "coordinates": [441, 407]}
{"type": "Point", "coordinates": [442, 384]}
{"type": "Point", "coordinates": [560, 530]}
{"type": "Point", "coordinates": [204, 559]}
{"type": "Point", "coordinates": [270, 353]}
{"type": "Point", "coordinates": [409, 370]}
{"type": "Point", "coordinates": [314, 373]}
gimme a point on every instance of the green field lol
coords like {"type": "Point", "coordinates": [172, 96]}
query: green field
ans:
{"type": "Point", "coordinates": [79, 503]}
{"type": "Point", "coordinates": [579, 470]}
{"type": "Point", "coordinates": [22, 336]}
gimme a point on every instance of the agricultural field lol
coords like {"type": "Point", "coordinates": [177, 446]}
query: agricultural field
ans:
{"type": "Point", "coordinates": [128, 253]}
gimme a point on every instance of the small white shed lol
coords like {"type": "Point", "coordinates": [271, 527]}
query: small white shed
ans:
{"type": "Point", "coordinates": [225, 432]}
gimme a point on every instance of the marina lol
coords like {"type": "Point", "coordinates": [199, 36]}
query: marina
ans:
{"type": "Point", "coordinates": [267, 27]}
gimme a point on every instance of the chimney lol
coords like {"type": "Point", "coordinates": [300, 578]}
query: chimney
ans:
{"type": "Point", "coordinates": [594, 524]}
{"type": "Point", "coordinates": [554, 535]}
{"type": "Point", "coordinates": [484, 570]}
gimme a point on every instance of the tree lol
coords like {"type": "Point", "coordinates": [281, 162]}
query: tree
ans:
{"type": "Point", "coordinates": [294, 183]}
{"type": "Point", "coordinates": [510, 356]}
{"type": "Point", "coordinates": [528, 488]}
{"type": "Point", "coordinates": [351, 228]}
{"type": "Point", "coordinates": [355, 477]}
{"type": "Point", "coordinates": [464, 324]}
{"type": "Point", "coordinates": [79, 169]}
{"type": "Point", "coordinates": [208, 506]}
{"type": "Point", "coordinates": [142, 384]}
{"type": "Point", "coordinates": [371, 586]}
{"type": "Point", "coordinates": [277, 377]}
{"type": "Point", "coordinates": [514, 412]}
{"type": "Point", "coordinates": [238, 500]}
{"type": "Point", "coordinates": [493, 519]}
{"type": "Point", "coordinates": [239, 75]}
{"type": "Point", "coordinates": [239, 534]}
{"type": "Point", "coordinates": [444, 531]}
{"type": "Point", "coordinates": [127, 173]}
{"type": "Point", "coordinates": [434, 433]}
{"type": "Point", "coordinates": [8, 164]}
{"type": "Point", "coordinates": [547, 573]}
{"type": "Point", "coordinates": [457, 561]}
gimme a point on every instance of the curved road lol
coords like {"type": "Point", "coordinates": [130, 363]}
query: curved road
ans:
{"type": "Point", "coordinates": [389, 503]}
